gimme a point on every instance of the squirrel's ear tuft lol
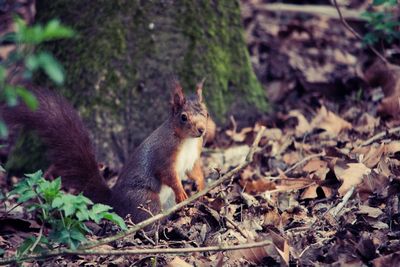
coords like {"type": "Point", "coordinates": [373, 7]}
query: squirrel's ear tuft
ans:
{"type": "Point", "coordinates": [178, 98]}
{"type": "Point", "coordinates": [199, 90]}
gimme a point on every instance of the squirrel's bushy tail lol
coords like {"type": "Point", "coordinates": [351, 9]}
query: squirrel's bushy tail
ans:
{"type": "Point", "coordinates": [69, 147]}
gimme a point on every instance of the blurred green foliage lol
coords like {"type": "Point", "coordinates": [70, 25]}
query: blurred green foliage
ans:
{"type": "Point", "coordinates": [25, 60]}
{"type": "Point", "coordinates": [383, 24]}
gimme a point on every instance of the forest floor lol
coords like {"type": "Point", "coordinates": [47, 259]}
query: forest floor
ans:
{"type": "Point", "coordinates": [323, 187]}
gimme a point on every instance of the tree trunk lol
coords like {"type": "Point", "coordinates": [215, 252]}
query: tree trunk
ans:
{"type": "Point", "coordinates": [126, 51]}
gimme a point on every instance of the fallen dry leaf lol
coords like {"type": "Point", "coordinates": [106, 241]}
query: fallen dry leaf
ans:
{"type": "Point", "coordinates": [239, 136]}
{"type": "Point", "coordinates": [371, 154]}
{"type": "Point", "coordinates": [303, 126]}
{"type": "Point", "coordinates": [257, 186]}
{"type": "Point", "coordinates": [178, 262]}
{"type": "Point", "coordinates": [367, 123]}
{"type": "Point", "coordinates": [350, 176]}
{"type": "Point", "coordinates": [281, 246]}
{"type": "Point", "coordinates": [317, 167]}
{"type": "Point", "coordinates": [256, 255]}
{"type": "Point", "coordinates": [370, 211]}
{"type": "Point", "coordinates": [330, 122]}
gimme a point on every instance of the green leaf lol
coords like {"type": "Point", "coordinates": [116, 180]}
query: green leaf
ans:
{"type": "Point", "coordinates": [27, 195]}
{"type": "Point", "coordinates": [50, 190]}
{"type": "Point", "coordinates": [3, 130]}
{"type": "Point", "coordinates": [25, 246]}
{"type": "Point", "coordinates": [83, 200]}
{"type": "Point", "coordinates": [28, 98]}
{"type": "Point", "coordinates": [32, 62]}
{"type": "Point", "coordinates": [2, 74]}
{"type": "Point", "coordinates": [54, 30]}
{"type": "Point", "coordinates": [36, 176]}
{"type": "Point", "coordinates": [8, 38]}
{"type": "Point", "coordinates": [48, 64]}
{"type": "Point", "coordinates": [51, 67]}
{"type": "Point", "coordinates": [98, 208]}
{"type": "Point", "coordinates": [77, 235]}
{"type": "Point", "coordinates": [20, 28]}
{"type": "Point", "coordinates": [115, 219]}
{"type": "Point", "coordinates": [82, 216]}
{"type": "Point", "coordinates": [57, 202]}
{"type": "Point", "coordinates": [68, 209]}
{"type": "Point", "coordinates": [11, 96]}
{"type": "Point", "coordinates": [33, 207]}
{"type": "Point", "coordinates": [37, 34]}
{"type": "Point", "coordinates": [378, 2]}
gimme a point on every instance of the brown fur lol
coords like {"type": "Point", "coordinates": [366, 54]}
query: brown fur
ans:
{"type": "Point", "coordinates": [151, 165]}
{"type": "Point", "coordinates": [67, 140]}
{"type": "Point", "coordinates": [197, 175]}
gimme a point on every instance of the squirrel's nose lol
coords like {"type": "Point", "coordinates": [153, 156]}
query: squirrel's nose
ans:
{"type": "Point", "coordinates": [201, 130]}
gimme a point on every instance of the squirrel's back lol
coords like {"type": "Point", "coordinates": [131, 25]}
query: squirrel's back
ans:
{"type": "Point", "coordinates": [67, 141]}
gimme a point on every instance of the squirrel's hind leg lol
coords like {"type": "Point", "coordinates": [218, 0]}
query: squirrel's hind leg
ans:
{"type": "Point", "coordinates": [141, 204]}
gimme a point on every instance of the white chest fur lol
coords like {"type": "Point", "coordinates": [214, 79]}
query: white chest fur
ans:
{"type": "Point", "coordinates": [189, 152]}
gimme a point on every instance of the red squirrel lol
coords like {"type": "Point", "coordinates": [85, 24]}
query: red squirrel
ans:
{"type": "Point", "coordinates": [155, 168]}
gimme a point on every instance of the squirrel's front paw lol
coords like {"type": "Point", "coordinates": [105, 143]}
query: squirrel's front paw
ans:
{"type": "Point", "coordinates": [181, 197]}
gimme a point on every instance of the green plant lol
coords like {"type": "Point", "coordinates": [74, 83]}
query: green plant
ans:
{"type": "Point", "coordinates": [384, 24]}
{"type": "Point", "coordinates": [65, 214]}
{"type": "Point", "coordinates": [25, 60]}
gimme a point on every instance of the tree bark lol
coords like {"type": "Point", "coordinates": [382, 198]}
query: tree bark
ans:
{"type": "Point", "coordinates": [126, 51]}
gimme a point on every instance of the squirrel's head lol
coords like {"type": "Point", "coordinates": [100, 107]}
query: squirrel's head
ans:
{"type": "Point", "coordinates": [189, 113]}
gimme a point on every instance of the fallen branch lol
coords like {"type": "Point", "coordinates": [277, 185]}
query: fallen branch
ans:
{"type": "Point", "coordinates": [236, 227]}
{"type": "Point", "coordinates": [348, 27]}
{"type": "Point", "coordinates": [84, 249]}
{"type": "Point", "coordinates": [297, 164]}
{"type": "Point", "coordinates": [304, 160]}
{"type": "Point", "coordinates": [319, 10]}
{"type": "Point", "coordinates": [124, 252]}
{"type": "Point", "coordinates": [380, 135]}
{"type": "Point", "coordinates": [344, 201]}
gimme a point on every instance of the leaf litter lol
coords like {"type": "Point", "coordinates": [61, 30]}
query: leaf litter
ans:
{"type": "Point", "coordinates": [315, 191]}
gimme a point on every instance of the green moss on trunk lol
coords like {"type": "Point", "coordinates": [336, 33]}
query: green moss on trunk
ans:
{"type": "Point", "coordinates": [126, 51]}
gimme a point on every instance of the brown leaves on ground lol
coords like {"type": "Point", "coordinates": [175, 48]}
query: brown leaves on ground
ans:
{"type": "Point", "coordinates": [325, 120]}
{"type": "Point", "coordinates": [310, 158]}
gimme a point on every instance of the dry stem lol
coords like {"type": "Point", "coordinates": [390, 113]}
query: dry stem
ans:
{"type": "Point", "coordinates": [380, 135]}
{"type": "Point", "coordinates": [153, 251]}
{"type": "Point", "coordinates": [348, 27]}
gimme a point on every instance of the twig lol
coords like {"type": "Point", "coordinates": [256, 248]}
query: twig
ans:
{"type": "Point", "coordinates": [322, 10]}
{"type": "Point", "coordinates": [7, 212]}
{"type": "Point", "coordinates": [62, 252]}
{"type": "Point", "coordinates": [303, 161]}
{"type": "Point", "coordinates": [83, 250]}
{"type": "Point", "coordinates": [321, 242]}
{"type": "Point", "coordinates": [348, 27]}
{"type": "Point", "coordinates": [380, 135]}
{"type": "Point", "coordinates": [297, 164]}
{"type": "Point", "coordinates": [147, 238]}
{"type": "Point", "coordinates": [236, 227]}
{"type": "Point", "coordinates": [345, 199]}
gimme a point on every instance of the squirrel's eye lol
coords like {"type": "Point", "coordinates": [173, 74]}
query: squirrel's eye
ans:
{"type": "Point", "coordinates": [184, 118]}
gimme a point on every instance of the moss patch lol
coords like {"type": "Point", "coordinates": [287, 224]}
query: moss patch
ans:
{"type": "Point", "coordinates": [126, 51]}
